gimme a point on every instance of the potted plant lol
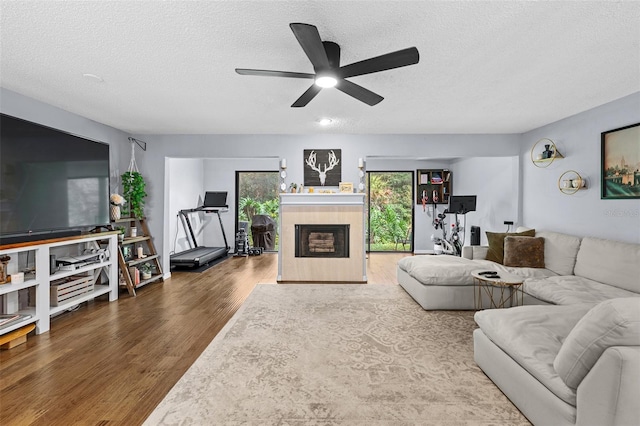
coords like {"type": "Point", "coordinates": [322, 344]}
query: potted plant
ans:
{"type": "Point", "coordinates": [115, 201]}
{"type": "Point", "coordinates": [122, 230]}
{"type": "Point", "coordinates": [133, 186]}
{"type": "Point", "coordinates": [145, 270]}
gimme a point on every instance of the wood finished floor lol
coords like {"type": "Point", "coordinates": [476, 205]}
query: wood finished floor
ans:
{"type": "Point", "coordinates": [112, 363]}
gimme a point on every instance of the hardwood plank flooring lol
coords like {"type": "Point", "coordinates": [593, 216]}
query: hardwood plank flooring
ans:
{"type": "Point", "coordinates": [112, 363]}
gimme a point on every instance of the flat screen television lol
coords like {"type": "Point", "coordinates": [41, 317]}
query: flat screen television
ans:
{"type": "Point", "coordinates": [462, 204]}
{"type": "Point", "coordinates": [52, 183]}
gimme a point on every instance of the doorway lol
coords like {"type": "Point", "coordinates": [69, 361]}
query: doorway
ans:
{"type": "Point", "coordinates": [257, 194]}
{"type": "Point", "coordinates": [390, 211]}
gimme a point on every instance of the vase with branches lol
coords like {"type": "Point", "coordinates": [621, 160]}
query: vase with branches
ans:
{"type": "Point", "coordinates": [133, 186]}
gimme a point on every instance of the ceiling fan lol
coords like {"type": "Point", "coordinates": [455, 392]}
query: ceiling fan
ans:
{"type": "Point", "coordinates": [325, 58]}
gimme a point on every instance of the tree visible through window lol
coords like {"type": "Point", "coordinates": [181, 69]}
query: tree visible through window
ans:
{"type": "Point", "coordinates": [390, 220]}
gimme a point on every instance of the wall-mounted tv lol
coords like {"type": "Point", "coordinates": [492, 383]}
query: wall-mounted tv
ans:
{"type": "Point", "coordinates": [52, 183]}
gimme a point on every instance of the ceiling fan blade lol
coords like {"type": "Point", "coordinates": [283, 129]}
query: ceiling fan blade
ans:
{"type": "Point", "coordinates": [269, 73]}
{"type": "Point", "coordinates": [400, 58]}
{"type": "Point", "coordinates": [309, 39]}
{"type": "Point", "coordinates": [359, 92]}
{"type": "Point", "coordinates": [307, 96]}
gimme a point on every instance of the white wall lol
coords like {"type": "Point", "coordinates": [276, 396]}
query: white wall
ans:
{"type": "Point", "coordinates": [186, 186]}
{"type": "Point", "coordinates": [495, 181]}
{"type": "Point", "coordinates": [578, 139]}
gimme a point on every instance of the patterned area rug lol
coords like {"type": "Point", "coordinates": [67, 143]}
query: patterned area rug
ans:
{"type": "Point", "coordinates": [334, 354]}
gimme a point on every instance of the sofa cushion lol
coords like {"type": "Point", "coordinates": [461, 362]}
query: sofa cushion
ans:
{"type": "Point", "coordinates": [439, 269]}
{"type": "Point", "coordinates": [614, 322]}
{"type": "Point", "coordinates": [532, 337]}
{"type": "Point", "coordinates": [452, 270]}
{"type": "Point", "coordinates": [524, 252]}
{"type": "Point", "coordinates": [496, 243]}
{"type": "Point", "coordinates": [570, 289]}
{"type": "Point", "coordinates": [560, 251]}
{"type": "Point", "coordinates": [610, 262]}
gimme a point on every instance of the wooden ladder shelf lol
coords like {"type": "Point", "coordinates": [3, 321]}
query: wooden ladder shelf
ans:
{"type": "Point", "coordinates": [128, 254]}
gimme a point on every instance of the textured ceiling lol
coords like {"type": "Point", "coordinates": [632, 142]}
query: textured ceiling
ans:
{"type": "Point", "coordinates": [168, 67]}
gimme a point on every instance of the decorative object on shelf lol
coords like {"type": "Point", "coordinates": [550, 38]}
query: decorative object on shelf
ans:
{"type": "Point", "coordinates": [571, 182]}
{"type": "Point", "coordinates": [324, 173]}
{"type": "Point", "coordinates": [346, 187]}
{"type": "Point", "coordinates": [620, 173]}
{"type": "Point", "coordinates": [4, 263]}
{"type": "Point", "coordinates": [293, 187]}
{"type": "Point", "coordinates": [115, 201]}
{"type": "Point", "coordinates": [283, 174]}
{"type": "Point", "coordinates": [122, 230]}
{"type": "Point", "coordinates": [133, 232]}
{"type": "Point", "coordinates": [145, 269]}
{"type": "Point", "coordinates": [361, 174]}
{"type": "Point", "coordinates": [133, 184]}
{"type": "Point", "coordinates": [543, 158]}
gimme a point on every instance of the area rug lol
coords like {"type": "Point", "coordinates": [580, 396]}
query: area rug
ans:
{"type": "Point", "coordinates": [334, 354]}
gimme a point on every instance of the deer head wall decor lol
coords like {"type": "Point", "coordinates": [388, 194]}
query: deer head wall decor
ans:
{"type": "Point", "coordinates": [322, 173]}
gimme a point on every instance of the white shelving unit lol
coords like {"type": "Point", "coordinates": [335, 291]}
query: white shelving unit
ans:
{"type": "Point", "coordinates": [38, 282]}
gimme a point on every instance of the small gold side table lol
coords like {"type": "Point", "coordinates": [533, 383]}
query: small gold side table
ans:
{"type": "Point", "coordinates": [508, 287]}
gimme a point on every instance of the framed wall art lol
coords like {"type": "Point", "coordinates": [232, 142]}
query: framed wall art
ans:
{"type": "Point", "coordinates": [322, 167]}
{"type": "Point", "coordinates": [620, 173]}
{"type": "Point", "coordinates": [346, 187]}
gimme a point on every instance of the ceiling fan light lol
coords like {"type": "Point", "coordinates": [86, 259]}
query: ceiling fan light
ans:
{"type": "Point", "coordinates": [326, 81]}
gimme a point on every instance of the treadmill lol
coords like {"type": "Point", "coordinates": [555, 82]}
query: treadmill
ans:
{"type": "Point", "coordinates": [214, 202]}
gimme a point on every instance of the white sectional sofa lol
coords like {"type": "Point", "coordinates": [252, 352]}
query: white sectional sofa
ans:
{"type": "Point", "coordinates": [576, 270]}
{"type": "Point", "coordinates": [565, 365]}
{"type": "Point", "coordinates": [572, 355]}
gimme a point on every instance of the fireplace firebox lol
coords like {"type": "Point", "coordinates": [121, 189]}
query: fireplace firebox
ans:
{"type": "Point", "coordinates": [322, 240]}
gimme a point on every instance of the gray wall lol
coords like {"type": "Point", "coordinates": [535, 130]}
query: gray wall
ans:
{"type": "Point", "coordinates": [584, 213]}
{"type": "Point", "coordinates": [246, 148]}
{"type": "Point", "coordinates": [541, 204]}
{"type": "Point", "coordinates": [495, 182]}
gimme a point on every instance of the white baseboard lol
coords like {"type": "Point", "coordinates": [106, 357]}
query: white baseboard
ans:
{"type": "Point", "coordinates": [423, 252]}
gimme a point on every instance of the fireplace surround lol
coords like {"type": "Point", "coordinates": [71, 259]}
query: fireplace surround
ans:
{"type": "Point", "coordinates": [322, 238]}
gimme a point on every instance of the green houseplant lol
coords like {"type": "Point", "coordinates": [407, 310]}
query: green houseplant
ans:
{"type": "Point", "coordinates": [145, 269]}
{"type": "Point", "coordinates": [133, 187]}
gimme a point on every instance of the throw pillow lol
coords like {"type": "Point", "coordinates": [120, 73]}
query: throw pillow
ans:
{"type": "Point", "coordinates": [614, 322]}
{"type": "Point", "coordinates": [524, 252]}
{"type": "Point", "coordinates": [496, 243]}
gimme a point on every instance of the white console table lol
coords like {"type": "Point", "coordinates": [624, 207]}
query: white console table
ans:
{"type": "Point", "coordinates": [37, 283]}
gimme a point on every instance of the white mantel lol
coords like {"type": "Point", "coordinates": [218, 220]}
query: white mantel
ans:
{"type": "Point", "coordinates": [320, 199]}
{"type": "Point", "coordinates": [317, 208]}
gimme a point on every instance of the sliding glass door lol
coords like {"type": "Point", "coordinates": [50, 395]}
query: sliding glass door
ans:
{"type": "Point", "coordinates": [257, 198]}
{"type": "Point", "coordinates": [390, 218]}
